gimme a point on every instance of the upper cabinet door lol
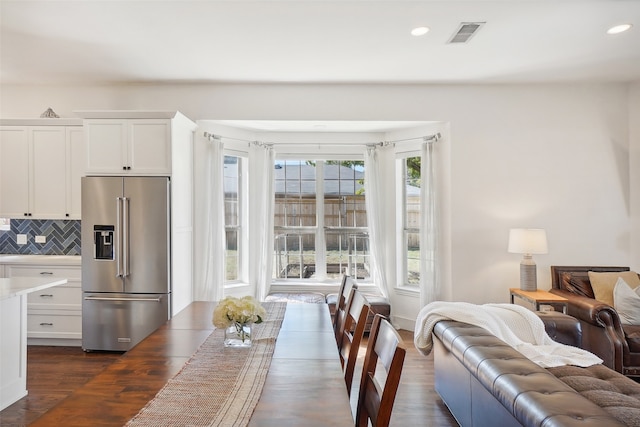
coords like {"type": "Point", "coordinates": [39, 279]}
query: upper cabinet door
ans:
{"type": "Point", "coordinates": [128, 146]}
{"type": "Point", "coordinates": [38, 170]}
{"type": "Point", "coordinates": [150, 146]}
{"type": "Point", "coordinates": [48, 184]}
{"type": "Point", "coordinates": [14, 172]}
{"type": "Point", "coordinates": [106, 145]}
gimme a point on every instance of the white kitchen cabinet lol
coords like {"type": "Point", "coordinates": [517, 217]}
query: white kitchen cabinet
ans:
{"type": "Point", "coordinates": [40, 170]}
{"type": "Point", "coordinates": [128, 146]}
{"type": "Point", "coordinates": [14, 172]}
{"type": "Point", "coordinates": [47, 172]}
{"type": "Point", "coordinates": [151, 143]}
{"type": "Point", "coordinates": [75, 171]}
{"type": "Point", "coordinates": [54, 315]}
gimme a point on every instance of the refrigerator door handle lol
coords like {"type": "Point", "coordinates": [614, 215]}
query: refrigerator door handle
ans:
{"type": "Point", "coordinates": [118, 235]}
{"type": "Point", "coordinates": [122, 299]}
{"type": "Point", "coordinates": [125, 236]}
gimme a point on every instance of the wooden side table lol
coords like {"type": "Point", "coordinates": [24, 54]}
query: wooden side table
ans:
{"type": "Point", "coordinates": [538, 298]}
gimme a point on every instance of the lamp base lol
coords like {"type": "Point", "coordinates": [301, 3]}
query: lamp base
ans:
{"type": "Point", "coordinates": [528, 279]}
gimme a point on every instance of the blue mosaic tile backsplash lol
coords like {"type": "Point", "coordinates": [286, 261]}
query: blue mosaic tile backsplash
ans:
{"type": "Point", "coordinates": [63, 237]}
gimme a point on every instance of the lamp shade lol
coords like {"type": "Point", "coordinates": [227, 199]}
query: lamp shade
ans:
{"type": "Point", "coordinates": [527, 241]}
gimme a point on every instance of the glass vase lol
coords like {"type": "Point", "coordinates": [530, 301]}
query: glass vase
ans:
{"type": "Point", "coordinates": [238, 335]}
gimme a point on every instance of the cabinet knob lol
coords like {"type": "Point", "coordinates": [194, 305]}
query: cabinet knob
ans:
{"type": "Point", "coordinates": [26, 214]}
{"type": "Point", "coordinates": [46, 324]}
{"type": "Point", "coordinates": [48, 273]}
{"type": "Point", "coordinates": [67, 215]}
{"type": "Point", "coordinates": [124, 168]}
{"type": "Point", "coordinates": [46, 295]}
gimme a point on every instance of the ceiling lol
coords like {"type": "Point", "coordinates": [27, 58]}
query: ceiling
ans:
{"type": "Point", "coordinates": [316, 41]}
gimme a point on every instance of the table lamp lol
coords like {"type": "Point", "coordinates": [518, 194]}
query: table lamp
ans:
{"type": "Point", "coordinates": [527, 241]}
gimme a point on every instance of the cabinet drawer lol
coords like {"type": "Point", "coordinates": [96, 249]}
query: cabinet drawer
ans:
{"type": "Point", "coordinates": [54, 326]}
{"type": "Point", "coordinates": [57, 297]}
{"type": "Point", "coordinates": [70, 273]}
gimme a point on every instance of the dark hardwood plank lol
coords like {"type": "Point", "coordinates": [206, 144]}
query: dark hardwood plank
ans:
{"type": "Point", "coordinates": [128, 382]}
{"type": "Point", "coordinates": [53, 373]}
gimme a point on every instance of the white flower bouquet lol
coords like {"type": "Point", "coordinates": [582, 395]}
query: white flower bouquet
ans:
{"type": "Point", "coordinates": [233, 310]}
{"type": "Point", "coordinates": [235, 316]}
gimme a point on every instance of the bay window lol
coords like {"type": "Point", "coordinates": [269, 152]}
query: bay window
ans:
{"type": "Point", "coordinates": [320, 224]}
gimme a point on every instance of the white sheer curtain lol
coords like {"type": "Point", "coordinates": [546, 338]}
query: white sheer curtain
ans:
{"type": "Point", "coordinates": [212, 288]}
{"type": "Point", "coordinates": [261, 205]}
{"type": "Point", "coordinates": [375, 204]}
{"type": "Point", "coordinates": [429, 275]}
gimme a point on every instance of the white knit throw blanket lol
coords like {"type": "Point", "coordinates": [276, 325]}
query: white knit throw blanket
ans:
{"type": "Point", "coordinates": [515, 325]}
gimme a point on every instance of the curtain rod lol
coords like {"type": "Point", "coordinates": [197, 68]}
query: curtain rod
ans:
{"type": "Point", "coordinates": [428, 138]}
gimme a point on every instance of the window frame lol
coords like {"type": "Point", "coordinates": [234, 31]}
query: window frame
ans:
{"type": "Point", "coordinates": [242, 222]}
{"type": "Point", "coordinates": [320, 229]}
{"type": "Point", "coordinates": [402, 228]}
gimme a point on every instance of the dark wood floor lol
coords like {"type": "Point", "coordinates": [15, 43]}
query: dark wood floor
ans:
{"type": "Point", "coordinates": [55, 372]}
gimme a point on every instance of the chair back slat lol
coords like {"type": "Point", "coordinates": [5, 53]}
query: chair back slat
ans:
{"type": "Point", "coordinates": [351, 334]}
{"type": "Point", "coordinates": [346, 286]}
{"type": "Point", "coordinates": [375, 401]}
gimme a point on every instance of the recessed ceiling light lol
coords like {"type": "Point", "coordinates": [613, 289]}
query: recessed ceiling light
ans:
{"type": "Point", "coordinates": [419, 31]}
{"type": "Point", "coordinates": [619, 29]}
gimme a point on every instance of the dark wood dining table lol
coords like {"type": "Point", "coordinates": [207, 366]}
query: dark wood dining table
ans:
{"type": "Point", "coordinates": [304, 386]}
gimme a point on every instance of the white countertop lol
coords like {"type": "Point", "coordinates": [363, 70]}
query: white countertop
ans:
{"type": "Point", "coordinates": [41, 259]}
{"type": "Point", "coordinates": [15, 286]}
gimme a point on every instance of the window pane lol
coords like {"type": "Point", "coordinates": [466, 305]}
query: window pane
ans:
{"type": "Point", "coordinates": [412, 193]}
{"type": "Point", "coordinates": [347, 252]}
{"type": "Point", "coordinates": [344, 194]}
{"type": "Point", "coordinates": [412, 181]}
{"type": "Point", "coordinates": [232, 255]}
{"type": "Point", "coordinates": [412, 247]}
{"type": "Point", "coordinates": [295, 255]}
{"type": "Point", "coordinates": [295, 192]}
{"type": "Point", "coordinates": [232, 175]}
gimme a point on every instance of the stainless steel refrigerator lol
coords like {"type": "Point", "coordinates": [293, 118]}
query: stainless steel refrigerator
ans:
{"type": "Point", "coordinates": [126, 260]}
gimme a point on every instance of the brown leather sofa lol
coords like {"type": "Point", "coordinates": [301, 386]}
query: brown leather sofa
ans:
{"type": "Point", "coordinates": [603, 334]}
{"type": "Point", "coordinates": [485, 382]}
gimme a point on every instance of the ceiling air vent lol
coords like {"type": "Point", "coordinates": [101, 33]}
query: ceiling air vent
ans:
{"type": "Point", "coordinates": [465, 31]}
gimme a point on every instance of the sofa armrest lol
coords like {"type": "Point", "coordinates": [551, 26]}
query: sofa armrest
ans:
{"type": "Point", "coordinates": [562, 328]}
{"type": "Point", "coordinates": [589, 309]}
{"type": "Point", "coordinates": [602, 332]}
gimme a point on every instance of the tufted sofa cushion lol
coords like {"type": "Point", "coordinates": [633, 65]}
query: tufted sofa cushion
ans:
{"type": "Point", "coordinates": [617, 394]}
{"type": "Point", "coordinates": [530, 394]}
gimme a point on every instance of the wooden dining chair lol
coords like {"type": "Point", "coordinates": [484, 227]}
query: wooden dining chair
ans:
{"type": "Point", "coordinates": [375, 401]}
{"type": "Point", "coordinates": [351, 334]}
{"type": "Point", "coordinates": [346, 285]}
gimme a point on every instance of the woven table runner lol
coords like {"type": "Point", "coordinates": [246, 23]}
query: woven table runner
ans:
{"type": "Point", "coordinates": [218, 386]}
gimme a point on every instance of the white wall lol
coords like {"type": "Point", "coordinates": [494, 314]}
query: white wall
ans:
{"type": "Point", "coordinates": [550, 156]}
{"type": "Point", "coordinates": [634, 168]}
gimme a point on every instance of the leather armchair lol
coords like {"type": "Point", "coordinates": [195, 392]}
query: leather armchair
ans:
{"type": "Point", "coordinates": [603, 334]}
